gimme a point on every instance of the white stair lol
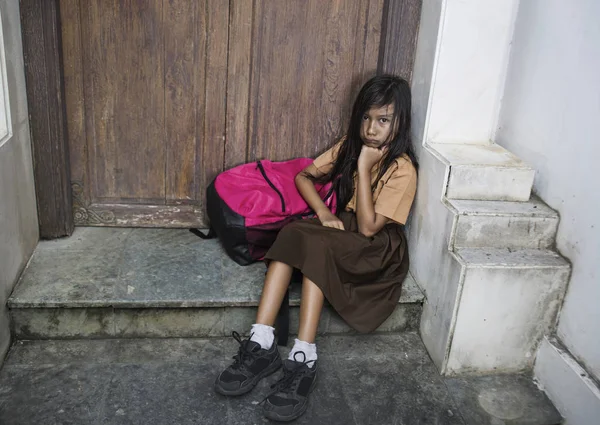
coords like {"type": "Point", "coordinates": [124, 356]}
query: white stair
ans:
{"type": "Point", "coordinates": [503, 224]}
{"type": "Point", "coordinates": [509, 301]}
{"type": "Point", "coordinates": [484, 172]}
{"type": "Point", "coordinates": [501, 284]}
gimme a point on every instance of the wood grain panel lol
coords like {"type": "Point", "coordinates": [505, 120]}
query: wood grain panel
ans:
{"type": "Point", "coordinates": [124, 215]}
{"type": "Point", "coordinates": [125, 98]}
{"type": "Point", "coordinates": [339, 70]}
{"type": "Point", "coordinates": [138, 80]}
{"type": "Point", "coordinates": [368, 49]}
{"type": "Point", "coordinates": [214, 108]}
{"type": "Point", "coordinates": [74, 97]}
{"type": "Point", "coordinates": [181, 66]}
{"type": "Point", "coordinates": [399, 37]}
{"type": "Point", "coordinates": [238, 82]}
{"type": "Point", "coordinates": [164, 94]}
{"type": "Point", "coordinates": [308, 59]}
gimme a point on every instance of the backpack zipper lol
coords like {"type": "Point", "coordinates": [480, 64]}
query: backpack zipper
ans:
{"type": "Point", "coordinates": [262, 171]}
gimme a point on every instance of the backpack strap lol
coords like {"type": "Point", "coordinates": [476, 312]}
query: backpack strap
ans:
{"type": "Point", "coordinates": [210, 235]}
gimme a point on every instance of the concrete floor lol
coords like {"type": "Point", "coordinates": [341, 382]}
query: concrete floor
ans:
{"type": "Point", "coordinates": [372, 379]}
{"type": "Point", "coordinates": [98, 318]}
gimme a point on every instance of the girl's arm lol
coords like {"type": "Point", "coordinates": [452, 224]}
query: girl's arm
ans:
{"type": "Point", "coordinates": [369, 222]}
{"type": "Point", "coordinates": [308, 191]}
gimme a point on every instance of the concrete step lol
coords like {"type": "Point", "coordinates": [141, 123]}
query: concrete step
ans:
{"type": "Point", "coordinates": [484, 172]}
{"type": "Point", "coordinates": [509, 299]}
{"type": "Point", "coordinates": [503, 224]}
{"type": "Point", "coordinates": [370, 379]}
{"type": "Point", "coordinates": [107, 283]}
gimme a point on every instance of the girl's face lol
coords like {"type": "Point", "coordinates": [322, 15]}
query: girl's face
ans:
{"type": "Point", "coordinates": [376, 127]}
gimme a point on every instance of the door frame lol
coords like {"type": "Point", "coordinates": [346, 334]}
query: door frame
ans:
{"type": "Point", "coordinates": [41, 34]}
{"type": "Point", "coordinates": [47, 110]}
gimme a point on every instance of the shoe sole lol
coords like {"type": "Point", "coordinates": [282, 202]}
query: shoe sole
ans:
{"type": "Point", "coordinates": [274, 367]}
{"type": "Point", "coordinates": [275, 417]}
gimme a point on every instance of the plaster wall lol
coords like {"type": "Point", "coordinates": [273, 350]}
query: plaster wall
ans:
{"type": "Point", "coordinates": [549, 118]}
{"type": "Point", "coordinates": [18, 215]}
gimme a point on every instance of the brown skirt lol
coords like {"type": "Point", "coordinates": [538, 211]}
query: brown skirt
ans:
{"type": "Point", "coordinates": [361, 277]}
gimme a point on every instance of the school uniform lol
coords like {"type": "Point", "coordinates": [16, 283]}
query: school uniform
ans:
{"type": "Point", "coordinates": [360, 276]}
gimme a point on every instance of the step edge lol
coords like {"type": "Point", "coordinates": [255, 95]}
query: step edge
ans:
{"type": "Point", "coordinates": [523, 167]}
{"type": "Point", "coordinates": [410, 293]}
{"type": "Point", "coordinates": [174, 304]}
{"type": "Point", "coordinates": [562, 263]}
{"type": "Point", "coordinates": [472, 213]}
{"type": "Point", "coordinates": [545, 211]}
{"type": "Point", "coordinates": [502, 213]}
{"type": "Point", "coordinates": [438, 149]}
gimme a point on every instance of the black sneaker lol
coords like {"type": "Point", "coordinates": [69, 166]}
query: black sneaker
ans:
{"type": "Point", "coordinates": [251, 364]}
{"type": "Point", "coordinates": [289, 400]}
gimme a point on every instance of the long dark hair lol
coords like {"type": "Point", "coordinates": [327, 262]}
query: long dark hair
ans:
{"type": "Point", "coordinates": [378, 92]}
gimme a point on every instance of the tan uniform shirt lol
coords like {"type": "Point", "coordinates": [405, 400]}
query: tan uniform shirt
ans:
{"type": "Point", "coordinates": [395, 192]}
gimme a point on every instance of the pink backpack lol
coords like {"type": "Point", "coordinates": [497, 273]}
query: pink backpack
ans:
{"type": "Point", "coordinates": [248, 205]}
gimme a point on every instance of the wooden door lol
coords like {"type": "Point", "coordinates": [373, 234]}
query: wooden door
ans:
{"type": "Point", "coordinates": [144, 86]}
{"type": "Point", "coordinates": [161, 95]}
{"type": "Point", "coordinates": [296, 64]}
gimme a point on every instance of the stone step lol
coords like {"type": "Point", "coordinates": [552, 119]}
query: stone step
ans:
{"type": "Point", "coordinates": [509, 301]}
{"type": "Point", "coordinates": [370, 379]}
{"type": "Point", "coordinates": [484, 172]}
{"type": "Point", "coordinates": [107, 283]}
{"type": "Point", "coordinates": [503, 224]}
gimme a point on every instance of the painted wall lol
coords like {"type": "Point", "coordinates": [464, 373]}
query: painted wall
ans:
{"type": "Point", "coordinates": [425, 55]}
{"type": "Point", "coordinates": [550, 117]}
{"type": "Point", "coordinates": [456, 96]}
{"type": "Point", "coordinates": [471, 40]}
{"type": "Point", "coordinates": [18, 216]}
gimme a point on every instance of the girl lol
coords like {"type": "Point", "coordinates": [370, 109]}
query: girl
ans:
{"type": "Point", "coordinates": [356, 259]}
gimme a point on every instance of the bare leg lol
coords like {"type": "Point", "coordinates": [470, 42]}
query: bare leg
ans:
{"type": "Point", "coordinates": [310, 310]}
{"type": "Point", "coordinates": [276, 284]}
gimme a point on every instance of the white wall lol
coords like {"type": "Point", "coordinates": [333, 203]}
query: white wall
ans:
{"type": "Point", "coordinates": [550, 118]}
{"type": "Point", "coordinates": [5, 121]}
{"type": "Point", "coordinates": [18, 216]}
{"type": "Point", "coordinates": [456, 96]}
{"type": "Point", "coordinates": [471, 53]}
{"type": "Point", "coordinates": [425, 56]}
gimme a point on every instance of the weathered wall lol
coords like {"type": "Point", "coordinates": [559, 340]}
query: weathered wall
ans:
{"type": "Point", "coordinates": [549, 118]}
{"type": "Point", "coordinates": [456, 94]}
{"type": "Point", "coordinates": [423, 69]}
{"type": "Point", "coordinates": [18, 216]}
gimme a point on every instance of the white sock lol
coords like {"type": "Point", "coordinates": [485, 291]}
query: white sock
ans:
{"type": "Point", "coordinates": [263, 335]}
{"type": "Point", "coordinates": [309, 350]}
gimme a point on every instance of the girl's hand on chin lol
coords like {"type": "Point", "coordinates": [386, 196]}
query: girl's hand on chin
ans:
{"type": "Point", "coordinates": [370, 156]}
